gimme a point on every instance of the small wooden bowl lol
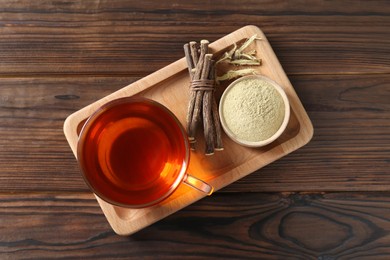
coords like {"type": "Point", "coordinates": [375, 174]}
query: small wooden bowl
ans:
{"type": "Point", "coordinates": [259, 143]}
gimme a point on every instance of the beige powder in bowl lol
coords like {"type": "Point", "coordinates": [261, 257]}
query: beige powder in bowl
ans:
{"type": "Point", "coordinates": [254, 110]}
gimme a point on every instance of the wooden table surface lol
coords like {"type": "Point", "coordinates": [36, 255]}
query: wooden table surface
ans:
{"type": "Point", "coordinates": [327, 200]}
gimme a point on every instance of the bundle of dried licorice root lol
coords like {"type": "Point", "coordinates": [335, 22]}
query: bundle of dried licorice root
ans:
{"type": "Point", "coordinates": [202, 106]}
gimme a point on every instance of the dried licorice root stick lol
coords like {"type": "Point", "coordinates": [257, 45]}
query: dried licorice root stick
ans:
{"type": "Point", "coordinates": [194, 54]}
{"type": "Point", "coordinates": [202, 105]}
{"type": "Point", "coordinates": [192, 59]}
{"type": "Point", "coordinates": [197, 110]}
{"type": "Point", "coordinates": [218, 146]}
{"type": "Point", "coordinates": [208, 121]}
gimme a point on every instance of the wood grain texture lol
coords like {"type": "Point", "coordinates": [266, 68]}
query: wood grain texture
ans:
{"type": "Point", "coordinates": [350, 149]}
{"type": "Point", "coordinates": [34, 154]}
{"type": "Point", "coordinates": [337, 105]}
{"type": "Point", "coordinates": [138, 37]}
{"type": "Point", "coordinates": [58, 56]}
{"type": "Point", "coordinates": [168, 87]}
{"type": "Point", "coordinates": [228, 226]}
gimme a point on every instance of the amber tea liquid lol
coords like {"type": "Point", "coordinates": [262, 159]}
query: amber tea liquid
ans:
{"type": "Point", "coordinates": [134, 153]}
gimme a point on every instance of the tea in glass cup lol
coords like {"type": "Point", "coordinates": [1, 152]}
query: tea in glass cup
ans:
{"type": "Point", "coordinates": [134, 153]}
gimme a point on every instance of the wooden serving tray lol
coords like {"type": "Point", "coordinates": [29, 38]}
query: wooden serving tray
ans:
{"type": "Point", "coordinates": [169, 86]}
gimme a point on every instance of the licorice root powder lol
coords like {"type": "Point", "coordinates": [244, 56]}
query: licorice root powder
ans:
{"type": "Point", "coordinates": [253, 110]}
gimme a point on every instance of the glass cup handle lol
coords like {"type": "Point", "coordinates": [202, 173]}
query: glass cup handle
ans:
{"type": "Point", "coordinates": [198, 184]}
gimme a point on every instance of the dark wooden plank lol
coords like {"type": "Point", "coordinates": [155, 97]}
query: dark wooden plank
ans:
{"type": "Point", "coordinates": [58, 56]}
{"type": "Point", "coordinates": [228, 226]}
{"type": "Point", "coordinates": [34, 154]}
{"type": "Point", "coordinates": [349, 150]}
{"type": "Point", "coordinates": [135, 38]}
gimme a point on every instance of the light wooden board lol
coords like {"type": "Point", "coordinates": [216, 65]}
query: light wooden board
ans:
{"type": "Point", "coordinates": [169, 86]}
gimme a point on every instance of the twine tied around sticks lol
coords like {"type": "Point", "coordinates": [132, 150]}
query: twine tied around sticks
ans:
{"type": "Point", "coordinates": [202, 84]}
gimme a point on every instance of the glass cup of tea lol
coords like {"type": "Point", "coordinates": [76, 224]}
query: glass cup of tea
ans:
{"type": "Point", "coordinates": [134, 152]}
